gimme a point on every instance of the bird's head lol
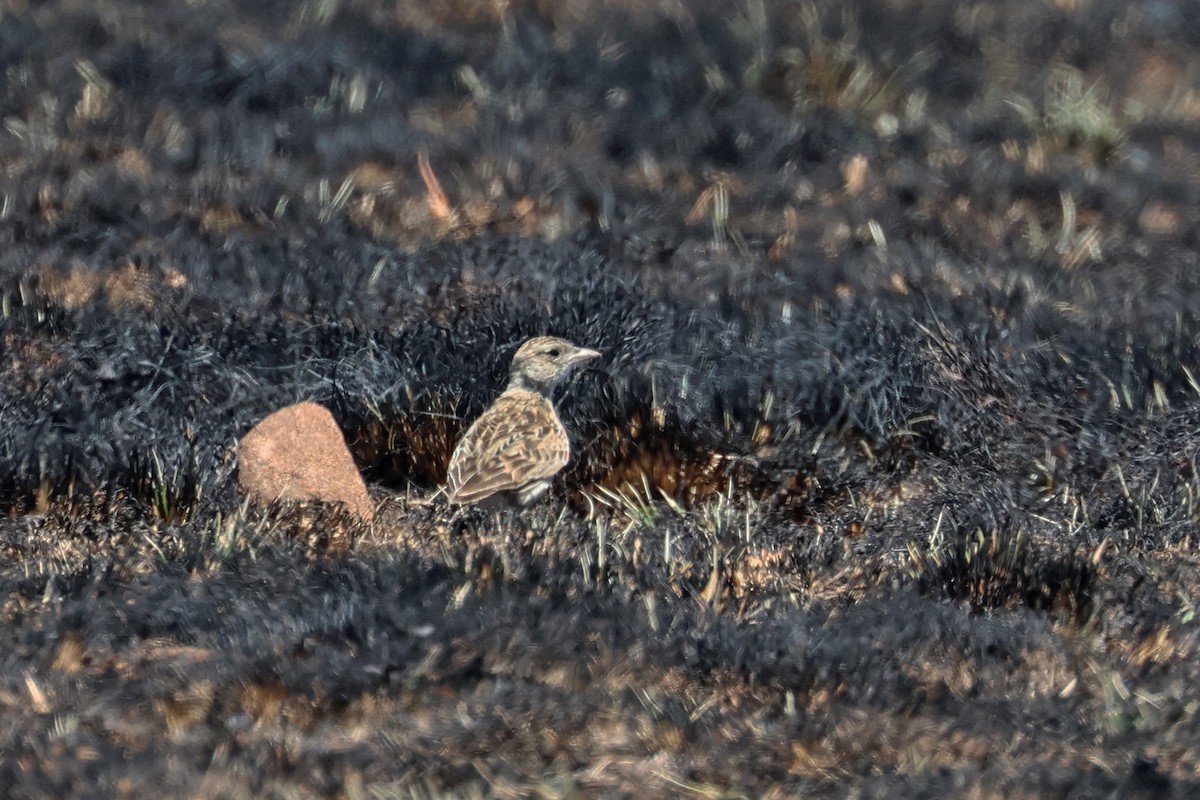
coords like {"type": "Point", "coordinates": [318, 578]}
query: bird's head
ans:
{"type": "Point", "coordinates": [544, 361]}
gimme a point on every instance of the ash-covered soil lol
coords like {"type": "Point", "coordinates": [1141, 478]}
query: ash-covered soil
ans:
{"type": "Point", "coordinates": [885, 487]}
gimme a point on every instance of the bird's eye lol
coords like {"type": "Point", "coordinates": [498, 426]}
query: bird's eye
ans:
{"type": "Point", "coordinates": [554, 353]}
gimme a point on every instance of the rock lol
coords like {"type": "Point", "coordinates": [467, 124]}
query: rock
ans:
{"type": "Point", "coordinates": [299, 453]}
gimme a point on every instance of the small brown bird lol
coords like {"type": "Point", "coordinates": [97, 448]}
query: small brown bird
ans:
{"type": "Point", "coordinates": [515, 447]}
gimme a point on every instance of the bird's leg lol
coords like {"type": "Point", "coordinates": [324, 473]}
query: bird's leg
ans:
{"type": "Point", "coordinates": [529, 493]}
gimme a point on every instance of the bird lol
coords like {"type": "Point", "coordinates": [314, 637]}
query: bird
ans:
{"type": "Point", "coordinates": [510, 453]}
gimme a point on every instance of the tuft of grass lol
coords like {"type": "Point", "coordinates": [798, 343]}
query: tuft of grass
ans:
{"type": "Point", "coordinates": [170, 500]}
{"type": "Point", "coordinates": [821, 70]}
{"type": "Point", "coordinates": [1144, 505]}
{"type": "Point", "coordinates": [1068, 245]}
{"type": "Point", "coordinates": [1073, 117]}
{"type": "Point", "coordinates": [717, 552]}
{"type": "Point", "coordinates": [996, 567]}
{"type": "Point", "coordinates": [638, 504]}
{"type": "Point", "coordinates": [1080, 115]}
{"type": "Point", "coordinates": [331, 202]}
{"type": "Point", "coordinates": [714, 199]}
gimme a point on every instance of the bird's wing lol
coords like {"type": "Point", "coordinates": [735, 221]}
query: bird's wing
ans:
{"type": "Point", "coordinates": [517, 441]}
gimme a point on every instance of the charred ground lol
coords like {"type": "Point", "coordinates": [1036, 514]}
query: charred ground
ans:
{"type": "Point", "coordinates": [886, 486]}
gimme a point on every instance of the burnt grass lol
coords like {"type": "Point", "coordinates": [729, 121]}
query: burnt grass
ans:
{"type": "Point", "coordinates": [886, 485]}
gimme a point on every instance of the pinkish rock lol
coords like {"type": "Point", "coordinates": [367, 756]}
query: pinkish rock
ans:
{"type": "Point", "coordinates": [299, 453]}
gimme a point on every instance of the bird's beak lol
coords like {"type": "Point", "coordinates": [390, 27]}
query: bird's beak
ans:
{"type": "Point", "coordinates": [583, 354]}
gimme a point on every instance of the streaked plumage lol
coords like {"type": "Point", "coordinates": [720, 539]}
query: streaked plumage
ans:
{"type": "Point", "coordinates": [518, 444]}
